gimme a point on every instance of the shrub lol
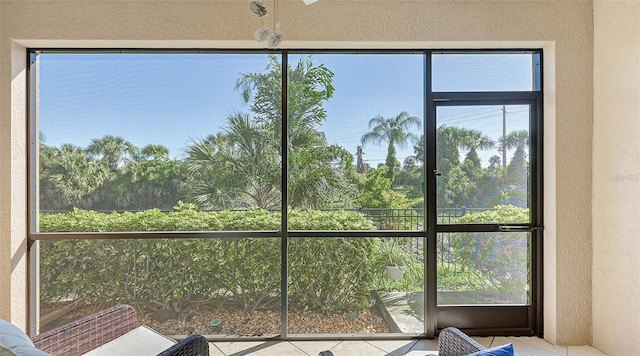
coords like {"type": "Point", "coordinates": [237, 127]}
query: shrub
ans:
{"type": "Point", "coordinates": [501, 259]}
{"type": "Point", "coordinates": [175, 273]}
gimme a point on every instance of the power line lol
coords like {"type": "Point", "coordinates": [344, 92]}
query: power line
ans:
{"type": "Point", "coordinates": [484, 117]}
{"type": "Point", "coordinates": [472, 117]}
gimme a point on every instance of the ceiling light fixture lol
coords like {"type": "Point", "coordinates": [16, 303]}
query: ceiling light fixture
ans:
{"type": "Point", "coordinates": [264, 34]}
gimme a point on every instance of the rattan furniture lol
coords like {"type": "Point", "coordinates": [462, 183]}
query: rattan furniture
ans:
{"type": "Point", "coordinates": [453, 342]}
{"type": "Point", "coordinates": [90, 332]}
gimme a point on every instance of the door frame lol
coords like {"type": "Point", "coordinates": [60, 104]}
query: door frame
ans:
{"type": "Point", "coordinates": [487, 319]}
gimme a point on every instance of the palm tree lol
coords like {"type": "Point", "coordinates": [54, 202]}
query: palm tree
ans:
{"type": "Point", "coordinates": [155, 152]}
{"type": "Point", "coordinates": [235, 168]}
{"type": "Point", "coordinates": [516, 176]}
{"type": "Point", "coordinates": [242, 165]}
{"type": "Point", "coordinates": [495, 163]}
{"type": "Point", "coordinates": [474, 140]}
{"type": "Point", "coordinates": [516, 171]}
{"type": "Point", "coordinates": [516, 139]}
{"type": "Point", "coordinates": [458, 180]}
{"type": "Point", "coordinates": [393, 131]}
{"type": "Point", "coordinates": [308, 87]}
{"type": "Point", "coordinates": [70, 176]}
{"type": "Point", "coordinates": [112, 149]}
{"type": "Point", "coordinates": [151, 179]}
{"type": "Point", "coordinates": [319, 177]}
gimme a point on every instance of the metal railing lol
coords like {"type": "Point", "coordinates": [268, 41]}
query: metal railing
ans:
{"type": "Point", "coordinates": [412, 219]}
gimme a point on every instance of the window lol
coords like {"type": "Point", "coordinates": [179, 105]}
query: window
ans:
{"type": "Point", "coordinates": [222, 195]}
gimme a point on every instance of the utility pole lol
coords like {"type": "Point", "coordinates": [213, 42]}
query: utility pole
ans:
{"type": "Point", "coordinates": [360, 168]}
{"type": "Point", "coordinates": [504, 135]}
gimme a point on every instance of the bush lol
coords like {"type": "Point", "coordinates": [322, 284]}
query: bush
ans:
{"type": "Point", "coordinates": [499, 259]}
{"type": "Point", "coordinates": [176, 273]}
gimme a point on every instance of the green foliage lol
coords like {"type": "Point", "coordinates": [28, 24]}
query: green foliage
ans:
{"type": "Point", "coordinates": [398, 252]}
{"type": "Point", "coordinates": [500, 259]}
{"type": "Point", "coordinates": [377, 198]}
{"type": "Point", "coordinates": [459, 278]}
{"type": "Point", "coordinates": [330, 274]}
{"type": "Point", "coordinates": [391, 162]}
{"type": "Point", "coordinates": [178, 273]}
{"type": "Point", "coordinates": [395, 252]}
{"type": "Point", "coordinates": [412, 280]}
{"type": "Point", "coordinates": [242, 166]}
{"type": "Point", "coordinates": [110, 174]}
{"type": "Point", "coordinates": [500, 214]}
{"type": "Point", "coordinates": [393, 131]}
{"type": "Point", "coordinates": [377, 193]}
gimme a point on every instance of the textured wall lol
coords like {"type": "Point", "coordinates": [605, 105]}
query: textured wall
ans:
{"type": "Point", "coordinates": [563, 28]}
{"type": "Point", "coordinates": [5, 233]}
{"type": "Point", "coordinates": [616, 177]}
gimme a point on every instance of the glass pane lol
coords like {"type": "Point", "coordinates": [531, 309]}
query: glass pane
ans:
{"type": "Point", "coordinates": [483, 268]}
{"type": "Point", "coordinates": [454, 72]}
{"type": "Point", "coordinates": [355, 126]}
{"type": "Point", "coordinates": [159, 133]}
{"type": "Point", "coordinates": [482, 155]}
{"type": "Point", "coordinates": [356, 285]}
{"type": "Point", "coordinates": [178, 287]}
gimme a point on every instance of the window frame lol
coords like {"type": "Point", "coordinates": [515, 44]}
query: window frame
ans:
{"type": "Point", "coordinates": [433, 313]}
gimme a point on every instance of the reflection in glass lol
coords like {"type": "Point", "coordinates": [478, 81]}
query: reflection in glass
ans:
{"type": "Point", "coordinates": [483, 268]}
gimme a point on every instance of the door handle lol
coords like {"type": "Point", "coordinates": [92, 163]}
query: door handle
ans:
{"type": "Point", "coordinates": [514, 228]}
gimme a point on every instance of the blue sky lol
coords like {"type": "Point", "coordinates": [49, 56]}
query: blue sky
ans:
{"type": "Point", "coordinates": [170, 99]}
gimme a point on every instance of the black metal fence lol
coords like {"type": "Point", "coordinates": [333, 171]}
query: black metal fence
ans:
{"type": "Point", "coordinates": [411, 219]}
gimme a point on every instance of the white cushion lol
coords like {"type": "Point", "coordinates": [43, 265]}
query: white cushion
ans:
{"type": "Point", "coordinates": [140, 341]}
{"type": "Point", "coordinates": [14, 342]}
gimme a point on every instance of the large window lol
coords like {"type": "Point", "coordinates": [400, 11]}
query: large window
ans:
{"type": "Point", "coordinates": [377, 192]}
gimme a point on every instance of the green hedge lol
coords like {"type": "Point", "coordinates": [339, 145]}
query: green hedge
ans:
{"type": "Point", "coordinates": [178, 273]}
{"type": "Point", "coordinates": [499, 260]}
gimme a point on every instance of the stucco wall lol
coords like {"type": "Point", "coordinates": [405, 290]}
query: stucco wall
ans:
{"type": "Point", "coordinates": [564, 29]}
{"type": "Point", "coordinates": [5, 240]}
{"type": "Point", "coordinates": [616, 177]}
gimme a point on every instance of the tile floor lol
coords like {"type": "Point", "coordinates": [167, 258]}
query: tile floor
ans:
{"type": "Point", "coordinates": [522, 345]}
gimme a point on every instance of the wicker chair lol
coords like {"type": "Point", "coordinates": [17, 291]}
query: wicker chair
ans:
{"type": "Point", "coordinates": [95, 330]}
{"type": "Point", "coordinates": [453, 342]}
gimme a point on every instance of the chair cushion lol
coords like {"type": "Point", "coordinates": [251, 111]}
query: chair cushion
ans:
{"type": "Point", "coordinates": [14, 342]}
{"type": "Point", "coordinates": [502, 350]}
{"type": "Point", "coordinates": [140, 341]}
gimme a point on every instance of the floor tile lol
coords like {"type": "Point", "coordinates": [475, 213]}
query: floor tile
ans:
{"type": "Point", "coordinates": [314, 347]}
{"type": "Point", "coordinates": [229, 348]}
{"type": "Point", "coordinates": [393, 347]}
{"type": "Point", "coordinates": [270, 348]}
{"type": "Point", "coordinates": [584, 351]}
{"type": "Point", "coordinates": [357, 348]}
{"type": "Point", "coordinates": [522, 349]}
{"type": "Point", "coordinates": [539, 343]}
{"type": "Point", "coordinates": [424, 347]}
{"type": "Point", "coordinates": [214, 350]}
{"type": "Point", "coordinates": [484, 340]}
